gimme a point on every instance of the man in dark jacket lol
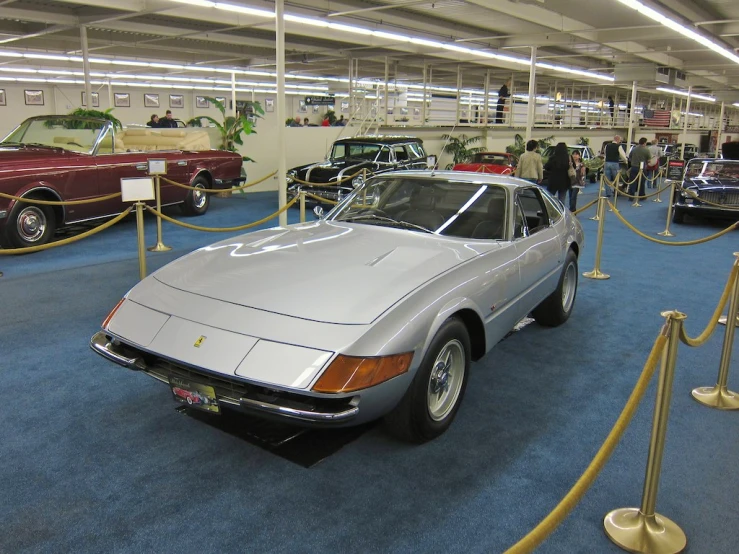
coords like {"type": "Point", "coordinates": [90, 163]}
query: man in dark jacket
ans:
{"type": "Point", "coordinates": [639, 159]}
{"type": "Point", "coordinates": [614, 155]}
{"type": "Point", "coordinates": [168, 121]}
{"type": "Point", "coordinates": [503, 93]}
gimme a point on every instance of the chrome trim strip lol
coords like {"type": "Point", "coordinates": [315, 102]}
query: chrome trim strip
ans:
{"type": "Point", "coordinates": [103, 346]}
{"type": "Point", "coordinates": [309, 169]}
{"type": "Point", "coordinates": [340, 176]}
{"type": "Point", "coordinates": [299, 414]}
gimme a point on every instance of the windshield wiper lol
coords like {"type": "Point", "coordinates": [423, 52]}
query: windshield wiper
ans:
{"type": "Point", "coordinates": [386, 219]}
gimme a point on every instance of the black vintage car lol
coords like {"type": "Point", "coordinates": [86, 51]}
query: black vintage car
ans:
{"type": "Point", "coordinates": [708, 180]}
{"type": "Point", "coordinates": [349, 156]}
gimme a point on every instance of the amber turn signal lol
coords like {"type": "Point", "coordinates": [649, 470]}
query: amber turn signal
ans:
{"type": "Point", "coordinates": [350, 373]}
{"type": "Point", "coordinates": [111, 314]}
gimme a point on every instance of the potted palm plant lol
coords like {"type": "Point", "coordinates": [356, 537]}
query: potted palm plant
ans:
{"type": "Point", "coordinates": [459, 148]}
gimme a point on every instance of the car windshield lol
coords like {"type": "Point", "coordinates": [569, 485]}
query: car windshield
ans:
{"type": "Point", "coordinates": [359, 151]}
{"type": "Point", "coordinates": [433, 205]}
{"type": "Point", "coordinates": [487, 158]}
{"type": "Point", "coordinates": [719, 169]}
{"type": "Point", "coordinates": [70, 133]}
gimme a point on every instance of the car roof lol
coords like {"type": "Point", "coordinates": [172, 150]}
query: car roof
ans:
{"type": "Point", "coordinates": [465, 176]}
{"type": "Point", "coordinates": [379, 139]}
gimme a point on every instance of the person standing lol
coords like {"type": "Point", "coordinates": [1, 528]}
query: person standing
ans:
{"type": "Point", "coordinates": [612, 109]}
{"type": "Point", "coordinates": [557, 166]}
{"type": "Point", "coordinates": [576, 182]}
{"type": "Point", "coordinates": [614, 154]}
{"type": "Point", "coordinates": [529, 165]}
{"type": "Point", "coordinates": [503, 94]}
{"type": "Point", "coordinates": [639, 159]}
{"type": "Point", "coordinates": [168, 122]}
{"type": "Point", "coordinates": [653, 168]}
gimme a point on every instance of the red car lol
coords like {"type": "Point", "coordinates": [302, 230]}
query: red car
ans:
{"type": "Point", "coordinates": [62, 158]}
{"type": "Point", "coordinates": [192, 398]}
{"type": "Point", "coordinates": [501, 163]}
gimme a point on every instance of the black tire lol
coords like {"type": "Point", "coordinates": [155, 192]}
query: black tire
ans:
{"type": "Point", "coordinates": [678, 216]}
{"type": "Point", "coordinates": [443, 373]}
{"type": "Point", "coordinates": [29, 225]}
{"type": "Point", "coordinates": [196, 203]}
{"type": "Point", "coordinates": [557, 307]}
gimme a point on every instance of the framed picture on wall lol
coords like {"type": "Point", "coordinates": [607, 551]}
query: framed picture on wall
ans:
{"type": "Point", "coordinates": [344, 106]}
{"type": "Point", "coordinates": [95, 99]}
{"type": "Point", "coordinates": [176, 101]}
{"type": "Point", "coordinates": [269, 104]}
{"type": "Point", "coordinates": [303, 108]}
{"type": "Point", "coordinates": [34, 97]}
{"type": "Point", "coordinates": [316, 109]}
{"type": "Point", "coordinates": [201, 102]}
{"type": "Point", "coordinates": [222, 100]}
{"type": "Point", "coordinates": [416, 113]}
{"type": "Point", "coordinates": [3, 102]}
{"type": "Point", "coordinates": [151, 100]}
{"type": "Point", "coordinates": [122, 100]}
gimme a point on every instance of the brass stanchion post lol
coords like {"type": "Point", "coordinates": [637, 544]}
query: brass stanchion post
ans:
{"type": "Point", "coordinates": [597, 273]}
{"type": "Point", "coordinates": [140, 237]}
{"type": "Point", "coordinates": [655, 183]}
{"type": "Point", "coordinates": [720, 396]}
{"type": "Point", "coordinates": [666, 232]}
{"type": "Point", "coordinates": [159, 246]}
{"type": "Point", "coordinates": [641, 529]}
{"type": "Point", "coordinates": [302, 206]}
{"type": "Point", "coordinates": [635, 203]}
{"type": "Point", "coordinates": [596, 217]}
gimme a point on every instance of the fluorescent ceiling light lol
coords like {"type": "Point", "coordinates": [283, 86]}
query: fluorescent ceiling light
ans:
{"type": "Point", "coordinates": [692, 94]}
{"type": "Point", "coordinates": [675, 26]}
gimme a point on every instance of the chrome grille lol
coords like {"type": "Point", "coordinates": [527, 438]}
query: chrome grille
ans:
{"type": "Point", "coordinates": [727, 198]}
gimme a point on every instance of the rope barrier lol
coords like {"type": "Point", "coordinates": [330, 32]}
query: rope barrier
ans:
{"type": "Point", "coordinates": [585, 207]}
{"type": "Point", "coordinates": [667, 242]}
{"type": "Point", "coordinates": [321, 198]}
{"type": "Point", "coordinates": [69, 240]}
{"type": "Point", "coordinates": [57, 202]}
{"type": "Point", "coordinates": [537, 535]}
{"type": "Point", "coordinates": [221, 229]}
{"type": "Point", "coordinates": [702, 338]}
{"type": "Point", "coordinates": [332, 183]}
{"type": "Point", "coordinates": [210, 191]}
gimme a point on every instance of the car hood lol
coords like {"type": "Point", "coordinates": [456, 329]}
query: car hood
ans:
{"type": "Point", "coordinates": [711, 184]}
{"type": "Point", "coordinates": [344, 273]}
{"type": "Point", "coordinates": [484, 168]}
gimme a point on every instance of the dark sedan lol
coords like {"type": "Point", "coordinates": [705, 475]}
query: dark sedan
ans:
{"type": "Point", "coordinates": [64, 158]}
{"type": "Point", "coordinates": [710, 187]}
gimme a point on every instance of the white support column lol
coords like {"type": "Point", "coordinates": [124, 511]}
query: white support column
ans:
{"type": "Point", "coordinates": [720, 129]}
{"type": "Point", "coordinates": [531, 109]}
{"type": "Point", "coordinates": [281, 146]}
{"type": "Point", "coordinates": [425, 85]}
{"type": "Point", "coordinates": [387, 96]}
{"type": "Point", "coordinates": [233, 94]}
{"type": "Point", "coordinates": [629, 112]}
{"type": "Point", "coordinates": [111, 102]}
{"type": "Point", "coordinates": [486, 101]}
{"type": "Point", "coordinates": [459, 93]}
{"type": "Point", "coordinates": [351, 87]}
{"type": "Point", "coordinates": [86, 66]}
{"type": "Point", "coordinates": [685, 124]}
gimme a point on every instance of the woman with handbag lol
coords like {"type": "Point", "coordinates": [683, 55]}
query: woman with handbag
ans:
{"type": "Point", "coordinates": [557, 167]}
{"type": "Point", "coordinates": [576, 172]}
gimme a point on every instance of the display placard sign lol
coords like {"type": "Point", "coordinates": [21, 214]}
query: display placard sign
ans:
{"type": "Point", "coordinates": [134, 189]}
{"type": "Point", "coordinates": [319, 100]}
{"type": "Point", "coordinates": [675, 170]}
{"type": "Point", "coordinates": [157, 167]}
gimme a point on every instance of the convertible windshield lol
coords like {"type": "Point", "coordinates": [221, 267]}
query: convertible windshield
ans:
{"type": "Point", "coordinates": [356, 150]}
{"type": "Point", "coordinates": [444, 207]}
{"type": "Point", "coordinates": [719, 169]}
{"type": "Point", "coordinates": [70, 133]}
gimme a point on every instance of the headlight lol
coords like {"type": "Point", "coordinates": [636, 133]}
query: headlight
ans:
{"type": "Point", "coordinates": [357, 181]}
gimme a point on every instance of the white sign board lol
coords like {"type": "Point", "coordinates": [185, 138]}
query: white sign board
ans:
{"type": "Point", "coordinates": [137, 188]}
{"type": "Point", "coordinates": [157, 167]}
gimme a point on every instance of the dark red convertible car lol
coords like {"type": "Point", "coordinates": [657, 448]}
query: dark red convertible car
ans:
{"type": "Point", "coordinates": [501, 163]}
{"type": "Point", "coordinates": [64, 158]}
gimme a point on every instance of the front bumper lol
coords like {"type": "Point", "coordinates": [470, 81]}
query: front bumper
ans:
{"type": "Point", "coordinates": [228, 183]}
{"type": "Point", "coordinates": [232, 392]}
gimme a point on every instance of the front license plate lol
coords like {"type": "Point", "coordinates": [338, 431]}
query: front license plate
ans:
{"type": "Point", "coordinates": [194, 395]}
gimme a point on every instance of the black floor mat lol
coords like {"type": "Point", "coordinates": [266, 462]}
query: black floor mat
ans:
{"type": "Point", "coordinates": [300, 445]}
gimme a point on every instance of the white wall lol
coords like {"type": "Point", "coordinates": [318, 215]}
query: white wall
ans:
{"type": "Point", "coordinates": [304, 144]}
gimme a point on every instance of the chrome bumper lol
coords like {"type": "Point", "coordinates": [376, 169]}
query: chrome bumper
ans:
{"type": "Point", "coordinates": [103, 346]}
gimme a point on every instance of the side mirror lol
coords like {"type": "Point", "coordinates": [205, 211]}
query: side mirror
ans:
{"type": "Point", "coordinates": [318, 211]}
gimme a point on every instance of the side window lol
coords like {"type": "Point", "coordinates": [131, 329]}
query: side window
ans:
{"type": "Point", "coordinates": [384, 155]}
{"type": "Point", "coordinates": [519, 222]}
{"type": "Point", "coordinates": [400, 154]}
{"type": "Point", "coordinates": [416, 150]}
{"type": "Point", "coordinates": [554, 208]}
{"type": "Point", "coordinates": [534, 209]}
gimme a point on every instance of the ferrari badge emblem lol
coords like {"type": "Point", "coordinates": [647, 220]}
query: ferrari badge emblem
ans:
{"type": "Point", "coordinates": [201, 340]}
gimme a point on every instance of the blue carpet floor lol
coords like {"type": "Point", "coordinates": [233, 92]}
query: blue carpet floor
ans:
{"type": "Point", "coordinates": [95, 458]}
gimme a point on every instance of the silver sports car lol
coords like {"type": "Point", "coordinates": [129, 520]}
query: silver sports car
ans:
{"type": "Point", "coordinates": [375, 310]}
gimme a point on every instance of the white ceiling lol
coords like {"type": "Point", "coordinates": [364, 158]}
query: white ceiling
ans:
{"type": "Point", "coordinates": [589, 35]}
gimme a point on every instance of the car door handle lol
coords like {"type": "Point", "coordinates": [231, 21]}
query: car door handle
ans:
{"type": "Point", "coordinates": [182, 162]}
{"type": "Point", "coordinates": [142, 167]}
